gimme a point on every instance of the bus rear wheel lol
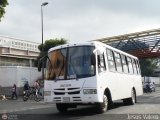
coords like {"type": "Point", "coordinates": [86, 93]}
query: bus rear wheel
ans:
{"type": "Point", "coordinates": [103, 107]}
{"type": "Point", "coordinates": [131, 100]}
{"type": "Point", "coordinates": [62, 108]}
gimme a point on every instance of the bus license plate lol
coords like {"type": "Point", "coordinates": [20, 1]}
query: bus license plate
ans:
{"type": "Point", "coordinates": [66, 99]}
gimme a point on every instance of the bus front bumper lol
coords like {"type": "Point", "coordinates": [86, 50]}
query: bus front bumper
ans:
{"type": "Point", "coordinates": [76, 98]}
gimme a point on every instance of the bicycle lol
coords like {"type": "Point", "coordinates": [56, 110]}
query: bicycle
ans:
{"type": "Point", "coordinates": [32, 93]}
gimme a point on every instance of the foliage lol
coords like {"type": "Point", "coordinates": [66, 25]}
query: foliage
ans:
{"type": "Point", "coordinates": [52, 43]}
{"type": "Point", "coordinates": [3, 4]}
{"type": "Point", "coordinates": [49, 44]}
{"type": "Point", "coordinates": [147, 67]}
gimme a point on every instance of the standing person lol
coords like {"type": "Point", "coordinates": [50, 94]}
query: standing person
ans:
{"type": "Point", "coordinates": [37, 86]}
{"type": "Point", "coordinates": [38, 96]}
{"type": "Point", "coordinates": [14, 91]}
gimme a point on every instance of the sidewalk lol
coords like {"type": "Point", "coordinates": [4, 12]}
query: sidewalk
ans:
{"type": "Point", "coordinates": [12, 106]}
{"type": "Point", "coordinates": [20, 99]}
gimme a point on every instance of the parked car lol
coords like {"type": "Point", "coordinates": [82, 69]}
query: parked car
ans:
{"type": "Point", "coordinates": [149, 87]}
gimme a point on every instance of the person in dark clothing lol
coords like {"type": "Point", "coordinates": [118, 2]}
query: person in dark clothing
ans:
{"type": "Point", "coordinates": [14, 91]}
{"type": "Point", "coordinates": [26, 86]}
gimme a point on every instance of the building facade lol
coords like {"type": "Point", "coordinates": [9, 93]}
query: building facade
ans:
{"type": "Point", "coordinates": [17, 52]}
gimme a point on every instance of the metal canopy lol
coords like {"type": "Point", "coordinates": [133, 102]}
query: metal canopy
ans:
{"type": "Point", "coordinates": [145, 44]}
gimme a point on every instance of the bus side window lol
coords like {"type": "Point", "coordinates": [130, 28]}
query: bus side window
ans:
{"type": "Point", "coordinates": [101, 63]}
{"type": "Point", "coordinates": [134, 66]}
{"type": "Point", "coordinates": [111, 62]}
{"type": "Point", "coordinates": [118, 61]}
{"type": "Point", "coordinates": [130, 66]}
{"type": "Point", "coordinates": [124, 63]}
{"type": "Point", "coordinates": [138, 68]}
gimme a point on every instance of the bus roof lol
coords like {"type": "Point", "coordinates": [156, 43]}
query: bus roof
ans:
{"type": "Point", "coordinates": [71, 45]}
{"type": "Point", "coordinates": [90, 43]}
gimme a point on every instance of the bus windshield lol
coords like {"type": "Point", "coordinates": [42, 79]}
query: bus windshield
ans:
{"type": "Point", "coordinates": [70, 63]}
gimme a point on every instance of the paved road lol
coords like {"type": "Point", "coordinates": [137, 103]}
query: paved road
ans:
{"type": "Point", "coordinates": [148, 107]}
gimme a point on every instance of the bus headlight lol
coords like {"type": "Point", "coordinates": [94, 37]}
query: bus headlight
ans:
{"type": "Point", "coordinates": [90, 91]}
{"type": "Point", "coordinates": [47, 93]}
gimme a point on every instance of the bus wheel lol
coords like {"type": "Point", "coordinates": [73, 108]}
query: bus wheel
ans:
{"type": "Point", "coordinates": [131, 100]}
{"type": "Point", "coordinates": [61, 107]}
{"type": "Point", "coordinates": [103, 107]}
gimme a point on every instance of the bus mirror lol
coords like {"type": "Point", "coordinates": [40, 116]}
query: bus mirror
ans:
{"type": "Point", "coordinates": [39, 65]}
{"type": "Point", "coordinates": [93, 59]}
{"type": "Point", "coordinates": [41, 62]}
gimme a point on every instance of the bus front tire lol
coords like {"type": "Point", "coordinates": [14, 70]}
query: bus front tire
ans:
{"type": "Point", "coordinates": [131, 100]}
{"type": "Point", "coordinates": [62, 108]}
{"type": "Point", "coordinates": [103, 107]}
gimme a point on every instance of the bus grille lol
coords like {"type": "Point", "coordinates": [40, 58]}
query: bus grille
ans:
{"type": "Point", "coordinates": [59, 99]}
{"type": "Point", "coordinates": [76, 99]}
{"type": "Point", "coordinates": [63, 91]}
{"type": "Point", "coordinates": [76, 92]}
{"type": "Point", "coordinates": [59, 93]}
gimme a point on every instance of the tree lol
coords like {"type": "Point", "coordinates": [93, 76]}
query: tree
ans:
{"type": "Point", "coordinates": [3, 4]}
{"type": "Point", "coordinates": [49, 44]}
{"type": "Point", "coordinates": [147, 67]}
{"type": "Point", "coordinates": [52, 43]}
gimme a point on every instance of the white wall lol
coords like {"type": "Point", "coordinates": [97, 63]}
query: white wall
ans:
{"type": "Point", "coordinates": [156, 80]}
{"type": "Point", "coordinates": [18, 75]}
{"type": "Point", "coordinates": [8, 76]}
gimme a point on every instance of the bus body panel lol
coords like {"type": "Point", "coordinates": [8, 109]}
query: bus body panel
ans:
{"type": "Point", "coordinates": [71, 89]}
{"type": "Point", "coordinates": [119, 84]}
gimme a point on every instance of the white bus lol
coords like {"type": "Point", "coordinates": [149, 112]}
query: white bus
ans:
{"type": "Point", "coordinates": [91, 73]}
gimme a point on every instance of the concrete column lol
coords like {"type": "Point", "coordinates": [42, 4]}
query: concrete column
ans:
{"type": "Point", "coordinates": [30, 63]}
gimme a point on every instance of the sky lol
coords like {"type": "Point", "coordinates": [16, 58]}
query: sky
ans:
{"type": "Point", "coordinates": [78, 20]}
